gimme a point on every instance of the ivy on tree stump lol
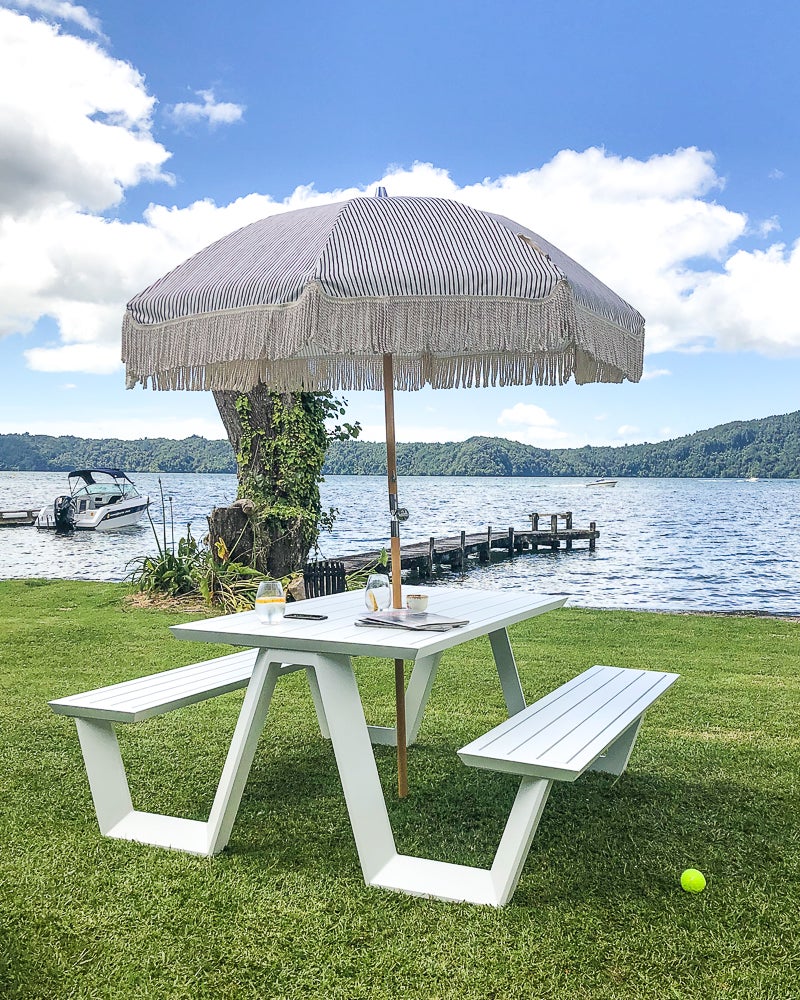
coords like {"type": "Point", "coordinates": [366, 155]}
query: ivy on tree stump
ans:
{"type": "Point", "coordinates": [280, 440]}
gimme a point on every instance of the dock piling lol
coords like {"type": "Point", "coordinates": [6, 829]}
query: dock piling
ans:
{"type": "Point", "coordinates": [426, 559]}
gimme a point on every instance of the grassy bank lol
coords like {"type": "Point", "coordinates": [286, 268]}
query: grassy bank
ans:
{"type": "Point", "coordinates": [283, 912]}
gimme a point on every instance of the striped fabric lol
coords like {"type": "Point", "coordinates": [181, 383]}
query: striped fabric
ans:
{"type": "Point", "coordinates": [313, 298]}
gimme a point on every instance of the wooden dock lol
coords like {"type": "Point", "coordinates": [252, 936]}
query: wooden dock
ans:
{"type": "Point", "coordinates": [17, 518]}
{"type": "Point", "coordinates": [424, 559]}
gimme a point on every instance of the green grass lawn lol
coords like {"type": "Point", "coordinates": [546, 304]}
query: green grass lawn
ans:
{"type": "Point", "coordinates": [714, 783]}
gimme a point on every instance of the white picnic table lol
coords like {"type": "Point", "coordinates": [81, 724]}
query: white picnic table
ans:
{"type": "Point", "coordinates": [590, 723]}
{"type": "Point", "coordinates": [326, 650]}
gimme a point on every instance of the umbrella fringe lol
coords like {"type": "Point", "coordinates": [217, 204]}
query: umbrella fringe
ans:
{"type": "Point", "coordinates": [444, 342]}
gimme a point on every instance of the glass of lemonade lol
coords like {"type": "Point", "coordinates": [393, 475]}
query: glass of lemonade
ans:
{"type": "Point", "coordinates": [270, 601]}
{"type": "Point", "coordinates": [378, 592]}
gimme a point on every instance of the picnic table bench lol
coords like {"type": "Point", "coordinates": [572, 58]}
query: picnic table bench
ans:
{"type": "Point", "coordinates": [589, 723]}
{"type": "Point", "coordinates": [145, 697]}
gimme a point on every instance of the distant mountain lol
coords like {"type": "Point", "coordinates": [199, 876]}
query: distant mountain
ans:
{"type": "Point", "coordinates": [768, 448]}
{"type": "Point", "coordinates": [42, 453]}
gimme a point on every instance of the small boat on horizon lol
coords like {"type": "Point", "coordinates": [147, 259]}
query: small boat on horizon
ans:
{"type": "Point", "coordinates": [603, 482]}
{"type": "Point", "coordinates": [98, 500]}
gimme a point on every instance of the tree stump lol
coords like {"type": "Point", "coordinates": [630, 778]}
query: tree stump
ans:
{"type": "Point", "coordinates": [273, 550]}
{"type": "Point", "coordinates": [279, 440]}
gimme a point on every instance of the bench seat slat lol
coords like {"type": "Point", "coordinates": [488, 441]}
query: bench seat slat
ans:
{"type": "Point", "coordinates": [594, 728]}
{"type": "Point", "coordinates": [155, 686]}
{"type": "Point", "coordinates": [144, 697]}
{"type": "Point", "coordinates": [561, 735]}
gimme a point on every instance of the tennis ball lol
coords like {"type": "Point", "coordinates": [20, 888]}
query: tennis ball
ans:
{"type": "Point", "coordinates": [693, 881]}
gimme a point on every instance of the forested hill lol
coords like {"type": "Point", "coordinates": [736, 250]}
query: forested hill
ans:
{"type": "Point", "coordinates": [767, 448]}
{"type": "Point", "coordinates": [42, 453]}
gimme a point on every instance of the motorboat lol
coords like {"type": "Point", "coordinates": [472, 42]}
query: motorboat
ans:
{"type": "Point", "coordinates": [98, 500]}
{"type": "Point", "coordinates": [603, 482]}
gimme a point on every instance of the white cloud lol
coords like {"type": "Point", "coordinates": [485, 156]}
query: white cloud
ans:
{"type": "Point", "coordinates": [96, 359]}
{"type": "Point", "coordinates": [74, 122]}
{"type": "Point", "coordinates": [650, 373]}
{"type": "Point", "coordinates": [62, 11]}
{"type": "Point", "coordinates": [211, 110]}
{"type": "Point", "coordinates": [626, 430]}
{"type": "Point", "coordinates": [111, 425]}
{"type": "Point", "coordinates": [531, 424]}
{"type": "Point", "coordinates": [75, 134]}
{"type": "Point", "coordinates": [413, 433]}
{"type": "Point", "coordinates": [752, 303]}
{"type": "Point", "coordinates": [768, 226]}
{"type": "Point", "coordinates": [776, 175]}
{"type": "Point", "coordinates": [527, 414]}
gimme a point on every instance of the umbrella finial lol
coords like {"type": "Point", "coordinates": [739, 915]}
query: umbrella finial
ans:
{"type": "Point", "coordinates": [381, 192]}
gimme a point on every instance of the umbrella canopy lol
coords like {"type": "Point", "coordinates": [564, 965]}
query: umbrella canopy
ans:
{"type": "Point", "coordinates": [313, 299]}
{"type": "Point", "coordinates": [380, 293]}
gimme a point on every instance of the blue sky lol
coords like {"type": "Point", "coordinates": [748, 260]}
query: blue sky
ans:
{"type": "Point", "coordinates": [657, 144]}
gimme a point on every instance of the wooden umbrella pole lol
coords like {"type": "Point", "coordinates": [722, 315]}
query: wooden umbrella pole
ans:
{"type": "Point", "coordinates": [397, 594]}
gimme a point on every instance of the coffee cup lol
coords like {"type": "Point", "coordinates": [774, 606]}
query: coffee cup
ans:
{"type": "Point", "coordinates": [417, 602]}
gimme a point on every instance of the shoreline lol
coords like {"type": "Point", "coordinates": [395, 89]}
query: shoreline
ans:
{"type": "Point", "coordinates": [193, 604]}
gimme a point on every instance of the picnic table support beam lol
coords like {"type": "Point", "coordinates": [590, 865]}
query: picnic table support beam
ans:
{"type": "Point", "coordinates": [507, 671]}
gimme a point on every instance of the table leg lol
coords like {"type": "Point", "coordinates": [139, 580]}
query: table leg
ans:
{"type": "Point", "coordinates": [109, 784]}
{"type": "Point", "coordinates": [324, 731]}
{"type": "Point", "coordinates": [249, 725]}
{"type": "Point", "coordinates": [106, 772]}
{"type": "Point", "coordinates": [507, 671]}
{"type": "Point", "coordinates": [356, 763]}
{"type": "Point", "coordinates": [417, 695]}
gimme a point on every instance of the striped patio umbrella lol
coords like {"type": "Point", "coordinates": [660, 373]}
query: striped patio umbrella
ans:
{"type": "Point", "coordinates": [380, 293]}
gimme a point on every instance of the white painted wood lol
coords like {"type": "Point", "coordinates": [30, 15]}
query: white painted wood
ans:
{"type": "Point", "coordinates": [616, 757]}
{"type": "Point", "coordinates": [242, 749]}
{"type": "Point", "coordinates": [436, 880]}
{"type": "Point", "coordinates": [316, 697]}
{"type": "Point", "coordinates": [356, 763]}
{"type": "Point", "coordinates": [322, 649]}
{"type": "Point", "coordinates": [106, 772]}
{"type": "Point", "coordinates": [487, 611]}
{"type": "Point", "coordinates": [523, 821]}
{"type": "Point", "coordinates": [467, 884]}
{"type": "Point", "coordinates": [561, 735]}
{"type": "Point", "coordinates": [507, 671]}
{"type": "Point", "coordinates": [172, 832]}
{"type": "Point", "coordinates": [417, 694]}
{"type": "Point", "coordinates": [145, 697]}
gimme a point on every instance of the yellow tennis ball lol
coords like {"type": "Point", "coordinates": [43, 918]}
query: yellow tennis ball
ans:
{"type": "Point", "coordinates": [693, 881]}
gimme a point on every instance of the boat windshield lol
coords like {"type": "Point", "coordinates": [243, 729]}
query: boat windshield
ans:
{"type": "Point", "coordinates": [109, 488]}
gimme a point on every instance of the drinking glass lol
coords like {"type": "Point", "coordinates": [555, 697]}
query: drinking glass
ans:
{"type": "Point", "coordinates": [270, 601]}
{"type": "Point", "coordinates": [378, 592]}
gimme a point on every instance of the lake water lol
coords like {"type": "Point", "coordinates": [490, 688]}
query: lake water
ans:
{"type": "Point", "coordinates": [670, 544]}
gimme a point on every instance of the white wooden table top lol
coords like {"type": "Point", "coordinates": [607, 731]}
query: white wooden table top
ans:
{"type": "Point", "coordinates": [487, 611]}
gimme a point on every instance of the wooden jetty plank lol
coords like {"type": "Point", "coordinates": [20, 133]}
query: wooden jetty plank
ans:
{"type": "Point", "coordinates": [17, 518]}
{"type": "Point", "coordinates": [454, 552]}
